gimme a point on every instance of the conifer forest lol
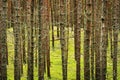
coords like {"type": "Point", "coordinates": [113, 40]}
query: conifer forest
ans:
{"type": "Point", "coordinates": [59, 39]}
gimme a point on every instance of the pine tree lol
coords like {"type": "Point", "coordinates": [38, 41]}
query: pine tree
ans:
{"type": "Point", "coordinates": [77, 33]}
{"type": "Point", "coordinates": [103, 47]}
{"type": "Point", "coordinates": [23, 22]}
{"type": "Point", "coordinates": [63, 39]}
{"type": "Point", "coordinates": [40, 41]}
{"type": "Point", "coordinates": [16, 31]}
{"type": "Point", "coordinates": [52, 21]}
{"type": "Point", "coordinates": [92, 36]}
{"type": "Point", "coordinates": [47, 38]}
{"type": "Point", "coordinates": [3, 40]}
{"type": "Point", "coordinates": [87, 41]}
{"type": "Point", "coordinates": [30, 40]}
{"type": "Point", "coordinates": [97, 39]}
{"type": "Point", "coordinates": [115, 36]}
{"type": "Point", "coordinates": [0, 38]}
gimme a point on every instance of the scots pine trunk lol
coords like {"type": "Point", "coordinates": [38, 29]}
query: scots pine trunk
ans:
{"type": "Point", "coordinates": [87, 40]}
{"type": "Point", "coordinates": [40, 41]}
{"type": "Point", "coordinates": [0, 38]}
{"type": "Point", "coordinates": [16, 30]}
{"type": "Point", "coordinates": [30, 40]}
{"type": "Point", "coordinates": [45, 31]}
{"type": "Point", "coordinates": [52, 21]}
{"type": "Point", "coordinates": [75, 23]}
{"type": "Point", "coordinates": [54, 13]}
{"type": "Point", "coordinates": [103, 41]}
{"type": "Point", "coordinates": [23, 4]}
{"type": "Point", "coordinates": [36, 32]}
{"type": "Point", "coordinates": [115, 36]}
{"type": "Point", "coordinates": [71, 14]}
{"type": "Point", "coordinates": [110, 27]}
{"type": "Point", "coordinates": [47, 22]}
{"type": "Point", "coordinates": [9, 13]}
{"type": "Point", "coordinates": [12, 14]}
{"type": "Point", "coordinates": [21, 52]}
{"type": "Point", "coordinates": [68, 23]}
{"type": "Point", "coordinates": [58, 17]}
{"type": "Point", "coordinates": [77, 33]}
{"type": "Point", "coordinates": [92, 41]}
{"type": "Point", "coordinates": [3, 40]}
{"type": "Point", "coordinates": [97, 39]}
{"type": "Point", "coordinates": [63, 39]}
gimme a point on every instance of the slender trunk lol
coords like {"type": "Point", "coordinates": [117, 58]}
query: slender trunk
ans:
{"type": "Point", "coordinates": [115, 36]}
{"type": "Point", "coordinates": [0, 45]}
{"type": "Point", "coordinates": [58, 18]}
{"type": "Point", "coordinates": [30, 40]}
{"type": "Point", "coordinates": [110, 30]}
{"type": "Point", "coordinates": [63, 39]}
{"type": "Point", "coordinates": [97, 40]}
{"type": "Point", "coordinates": [36, 33]}
{"type": "Point", "coordinates": [92, 42]}
{"type": "Point", "coordinates": [16, 30]}
{"type": "Point", "coordinates": [103, 47]}
{"type": "Point", "coordinates": [9, 14]}
{"type": "Point", "coordinates": [21, 53]}
{"type": "Point", "coordinates": [47, 19]}
{"type": "Point", "coordinates": [77, 27]}
{"type": "Point", "coordinates": [87, 41]}
{"type": "Point", "coordinates": [23, 31]}
{"type": "Point", "coordinates": [21, 49]}
{"type": "Point", "coordinates": [71, 14]}
{"type": "Point", "coordinates": [3, 41]}
{"type": "Point", "coordinates": [40, 42]}
{"type": "Point", "coordinates": [52, 22]}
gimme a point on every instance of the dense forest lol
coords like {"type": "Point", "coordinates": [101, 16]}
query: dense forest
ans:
{"type": "Point", "coordinates": [59, 39]}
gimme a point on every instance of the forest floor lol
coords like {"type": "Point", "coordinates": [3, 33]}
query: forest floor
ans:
{"type": "Point", "coordinates": [56, 67]}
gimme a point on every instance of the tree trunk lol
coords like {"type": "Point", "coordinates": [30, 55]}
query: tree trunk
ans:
{"type": "Point", "coordinates": [87, 41]}
{"type": "Point", "coordinates": [40, 42]}
{"type": "Point", "coordinates": [52, 22]}
{"type": "Point", "coordinates": [92, 42]}
{"type": "Point", "coordinates": [16, 30]}
{"type": "Point", "coordinates": [103, 47]}
{"type": "Point", "coordinates": [58, 17]}
{"type": "Point", "coordinates": [47, 43]}
{"type": "Point", "coordinates": [97, 39]}
{"type": "Point", "coordinates": [3, 40]}
{"type": "Point", "coordinates": [23, 30]}
{"type": "Point", "coordinates": [77, 33]}
{"type": "Point", "coordinates": [30, 40]}
{"type": "Point", "coordinates": [115, 36]}
{"type": "Point", "coordinates": [63, 39]}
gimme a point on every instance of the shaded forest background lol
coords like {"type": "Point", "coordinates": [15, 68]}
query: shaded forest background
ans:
{"type": "Point", "coordinates": [59, 39]}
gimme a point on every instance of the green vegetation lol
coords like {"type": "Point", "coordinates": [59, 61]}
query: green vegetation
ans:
{"type": "Point", "coordinates": [56, 68]}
